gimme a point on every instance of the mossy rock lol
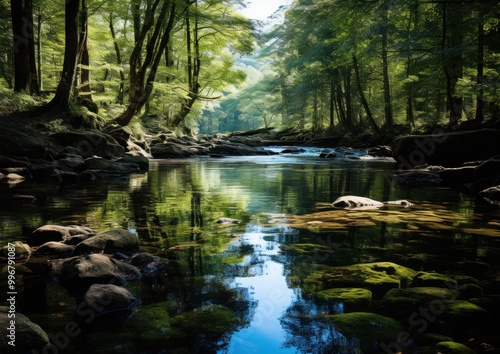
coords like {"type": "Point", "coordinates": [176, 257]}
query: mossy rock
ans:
{"type": "Point", "coordinates": [449, 347]}
{"type": "Point", "coordinates": [405, 301]}
{"type": "Point", "coordinates": [352, 298]}
{"type": "Point", "coordinates": [429, 339]}
{"type": "Point", "coordinates": [366, 327]}
{"type": "Point", "coordinates": [150, 327]}
{"type": "Point", "coordinates": [378, 277]}
{"type": "Point", "coordinates": [458, 312]}
{"type": "Point", "coordinates": [433, 279]}
{"type": "Point", "coordinates": [213, 319]}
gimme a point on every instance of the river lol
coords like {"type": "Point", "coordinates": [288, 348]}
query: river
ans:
{"type": "Point", "coordinates": [259, 268]}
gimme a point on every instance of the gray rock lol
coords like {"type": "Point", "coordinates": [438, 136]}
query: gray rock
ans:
{"type": "Point", "coordinates": [28, 335]}
{"type": "Point", "coordinates": [82, 271]}
{"type": "Point", "coordinates": [116, 240]}
{"type": "Point", "coordinates": [446, 149]}
{"type": "Point", "coordinates": [55, 248]}
{"type": "Point", "coordinates": [108, 298]}
{"type": "Point", "coordinates": [57, 233]}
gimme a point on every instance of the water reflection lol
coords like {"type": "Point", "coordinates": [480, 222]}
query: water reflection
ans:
{"type": "Point", "coordinates": [257, 268]}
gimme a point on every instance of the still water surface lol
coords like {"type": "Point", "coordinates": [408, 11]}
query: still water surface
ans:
{"type": "Point", "coordinates": [246, 267]}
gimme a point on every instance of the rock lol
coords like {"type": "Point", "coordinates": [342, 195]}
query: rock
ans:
{"type": "Point", "coordinates": [170, 150]}
{"type": "Point", "coordinates": [489, 169]}
{"type": "Point", "coordinates": [237, 149]}
{"type": "Point", "coordinates": [433, 279]}
{"type": "Point", "coordinates": [380, 151]}
{"type": "Point", "coordinates": [22, 250]}
{"type": "Point", "coordinates": [446, 149]}
{"type": "Point", "coordinates": [292, 150]}
{"type": "Point", "coordinates": [401, 303]}
{"type": "Point", "coordinates": [90, 143]}
{"type": "Point", "coordinates": [377, 277]}
{"type": "Point", "coordinates": [141, 161]}
{"type": "Point", "coordinates": [116, 240]}
{"type": "Point", "coordinates": [457, 175]}
{"type": "Point", "coordinates": [55, 248]}
{"type": "Point", "coordinates": [81, 272]}
{"type": "Point", "coordinates": [491, 194]}
{"type": "Point", "coordinates": [418, 178]}
{"type": "Point", "coordinates": [450, 347]}
{"type": "Point", "coordinates": [358, 299]}
{"type": "Point", "coordinates": [56, 233]}
{"type": "Point", "coordinates": [370, 329]}
{"type": "Point", "coordinates": [72, 163]}
{"type": "Point", "coordinates": [228, 221]}
{"type": "Point", "coordinates": [146, 262]}
{"type": "Point", "coordinates": [456, 313]}
{"type": "Point", "coordinates": [351, 201]}
{"type": "Point", "coordinates": [108, 298]}
{"type": "Point", "coordinates": [28, 336]}
{"type": "Point", "coordinates": [212, 319]}
{"type": "Point", "coordinates": [149, 328]}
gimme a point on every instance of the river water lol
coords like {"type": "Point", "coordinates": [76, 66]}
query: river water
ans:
{"type": "Point", "coordinates": [254, 267]}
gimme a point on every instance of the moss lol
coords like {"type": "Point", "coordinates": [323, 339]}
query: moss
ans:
{"type": "Point", "coordinates": [429, 339]}
{"type": "Point", "coordinates": [366, 326]}
{"type": "Point", "coordinates": [378, 277]}
{"type": "Point", "coordinates": [450, 347]}
{"type": "Point", "coordinates": [403, 301]}
{"type": "Point", "coordinates": [433, 279]}
{"type": "Point", "coordinates": [152, 324]}
{"type": "Point", "coordinates": [353, 298]}
{"type": "Point", "coordinates": [214, 319]}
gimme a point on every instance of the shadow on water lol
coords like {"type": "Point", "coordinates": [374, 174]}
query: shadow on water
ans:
{"type": "Point", "coordinates": [282, 280]}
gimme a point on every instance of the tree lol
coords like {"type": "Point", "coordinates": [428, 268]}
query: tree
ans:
{"type": "Point", "coordinates": [25, 76]}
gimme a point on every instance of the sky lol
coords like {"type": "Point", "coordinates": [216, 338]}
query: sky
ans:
{"type": "Point", "coordinates": [262, 9]}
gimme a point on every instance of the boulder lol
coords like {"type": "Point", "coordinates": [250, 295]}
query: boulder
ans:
{"type": "Point", "coordinates": [446, 149]}
{"type": "Point", "coordinates": [108, 298]}
{"type": "Point", "coordinates": [491, 194]}
{"type": "Point", "coordinates": [55, 248]}
{"type": "Point", "coordinates": [433, 279]}
{"type": "Point", "coordinates": [28, 335]}
{"type": "Point", "coordinates": [170, 151]}
{"type": "Point", "coordinates": [351, 201]}
{"type": "Point", "coordinates": [351, 298]}
{"type": "Point", "coordinates": [48, 233]}
{"type": "Point", "coordinates": [378, 277]}
{"type": "Point", "coordinates": [81, 272]}
{"type": "Point", "coordinates": [116, 240]}
{"type": "Point", "coordinates": [146, 263]}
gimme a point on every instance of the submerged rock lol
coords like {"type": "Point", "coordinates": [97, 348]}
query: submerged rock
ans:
{"type": "Point", "coordinates": [108, 298]}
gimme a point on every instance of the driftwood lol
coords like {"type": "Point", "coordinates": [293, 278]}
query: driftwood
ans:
{"type": "Point", "coordinates": [253, 132]}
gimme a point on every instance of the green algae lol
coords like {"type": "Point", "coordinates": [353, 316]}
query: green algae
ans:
{"type": "Point", "coordinates": [214, 319]}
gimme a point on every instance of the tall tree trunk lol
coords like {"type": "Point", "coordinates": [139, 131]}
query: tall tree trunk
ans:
{"type": "Point", "coordinates": [480, 69]}
{"type": "Point", "coordinates": [84, 88]}
{"type": "Point", "coordinates": [22, 29]}
{"type": "Point", "coordinates": [60, 102]}
{"type": "Point", "coordinates": [39, 58]}
{"type": "Point", "coordinates": [453, 66]}
{"type": "Point", "coordinates": [121, 89]}
{"type": "Point", "coordinates": [362, 97]}
{"type": "Point", "coordinates": [332, 103]}
{"type": "Point", "coordinates": [389, 120]}
{"type": "Point", "coordinates": [156, 42]}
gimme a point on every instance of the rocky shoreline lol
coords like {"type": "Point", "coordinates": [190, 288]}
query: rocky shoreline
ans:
{"type": "Point", "coordinates": [465, 160]}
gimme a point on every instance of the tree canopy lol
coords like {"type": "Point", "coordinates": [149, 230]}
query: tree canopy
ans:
{"type": "Point", "coordinates": [350, 65]}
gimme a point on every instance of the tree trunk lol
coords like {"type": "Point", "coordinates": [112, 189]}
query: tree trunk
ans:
{"type": "Point", "coordinates": [480, 69]}
{"type": "Point", "coordinates": [60, 102]}
{"type": "Point", "coordinates": [84, 88]}
{"type": "Point", "coordinates": [362, 97]}
{"type": "Point", "coordinates": [121, 89]}
{"type": "Point", "coordinates": [140, 87]}
{"type": "Point", "coordinates": [22, 30]}
{"type": "Point", "coordinates": [389, 120]}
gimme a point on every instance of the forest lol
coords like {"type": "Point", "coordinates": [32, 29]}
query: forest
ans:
{"type": "Point", "coordinates": [345, 66]}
